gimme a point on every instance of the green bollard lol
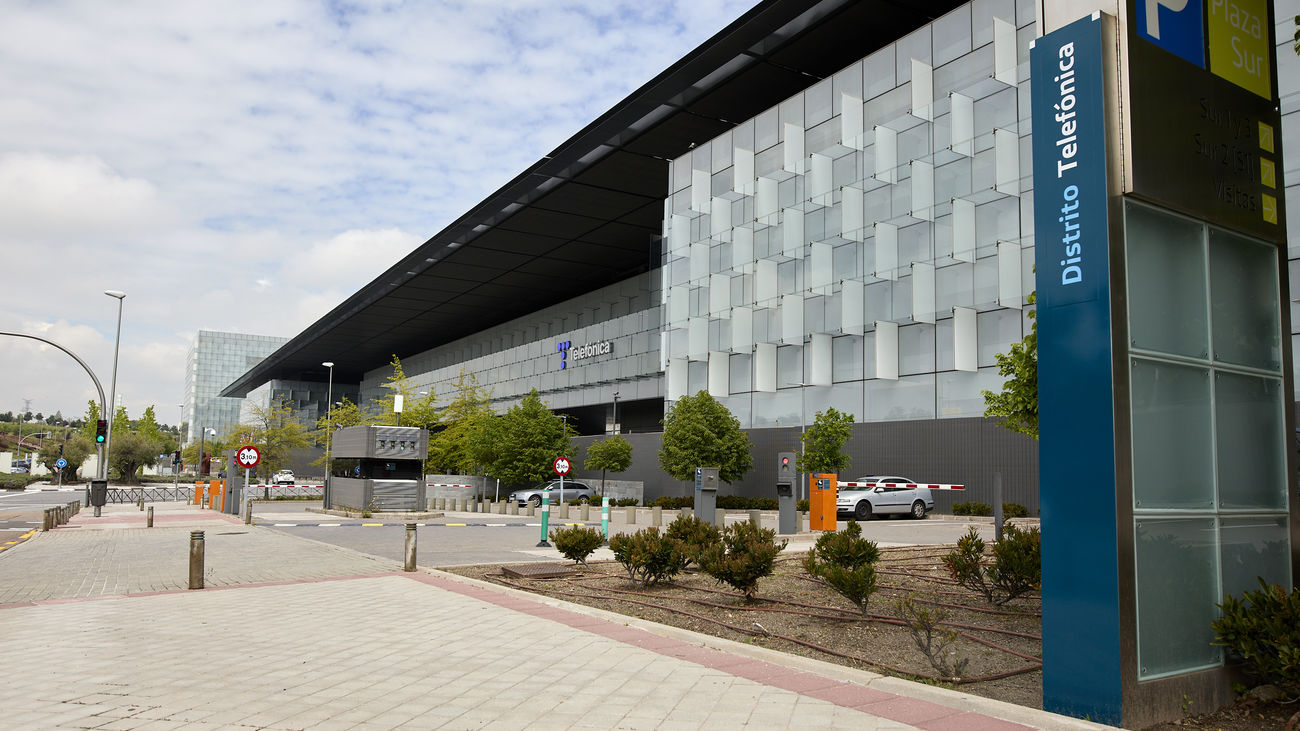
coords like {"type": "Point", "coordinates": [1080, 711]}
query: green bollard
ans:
{"type": "Point", "coordinates": [546, 519]}
{"type": "Point", "coordinates": [604, 517]}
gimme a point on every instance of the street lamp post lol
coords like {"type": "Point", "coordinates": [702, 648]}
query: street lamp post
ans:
{"type": "Point", "coordinates": [329, 420]}
{"type": "Point", "coordinates": [803, 482]}
{"type": "Point", "coordinates": [112, 388]}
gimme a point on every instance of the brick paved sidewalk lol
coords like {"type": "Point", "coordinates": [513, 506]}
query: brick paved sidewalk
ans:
{"type": "Point", "coordinates": [325, 647]}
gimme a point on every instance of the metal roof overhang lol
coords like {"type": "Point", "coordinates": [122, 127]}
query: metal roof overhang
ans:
{"type": "Point", "coordinates": [590, 213]}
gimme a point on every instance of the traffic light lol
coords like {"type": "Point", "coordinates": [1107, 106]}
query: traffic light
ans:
{"type": "Point", "coordinates": [101, 431]}
{"type": "Point", "coordinates": [176, 458]}
{"type": "Point", "coordinates": [785, 468]}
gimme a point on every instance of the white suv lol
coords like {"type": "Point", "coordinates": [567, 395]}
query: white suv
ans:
{"type": "Point", "coordinates": [876, 495]}
{"type": "Point", "coordinates": [283, 477]}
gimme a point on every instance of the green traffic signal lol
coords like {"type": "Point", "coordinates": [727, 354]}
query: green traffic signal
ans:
{"type": "Point", "coordinates": [101, 431]}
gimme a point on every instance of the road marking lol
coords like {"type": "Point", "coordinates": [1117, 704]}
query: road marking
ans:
{"type": "Point", "coordinates": [461, 525]}
{"type": "Point", "coordinates": [284, 525]}
{"type": "Point", "coordinates": [329, 525]}
{"type": "Point", "coordinates": [372, 525]}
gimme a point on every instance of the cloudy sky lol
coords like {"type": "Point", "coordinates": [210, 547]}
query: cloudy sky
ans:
{"type": "Point", "coordinates": [245, 166]}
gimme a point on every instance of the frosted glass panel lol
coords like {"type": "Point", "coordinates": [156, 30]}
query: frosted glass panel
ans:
{"type": "Point", "coordinates": [1010, 289]}
{"type": "Point", "coordinates": [851, 304]}
{"type": "Point", "coordinates": [963, 230]}
{"type": "Point", "coordinates": [819, 360]}
{"type": "Point", "coordinates": [960, 395]}
{"type": "Point", "coordinates": [1006, 157]}
{"type": "Point", "coordinates": [922, 90]}
{"type": "Point", "coordinates": [851, 128]}
{"type": "Point", "coordinates": [819, 180]}
{"type": "Point", "coordinates": [792, 240]}
{"type": "Point", "coordinates": [887, 350]}
{"type": "Point", "coordinates": [1254, 547]}
{"type": "Point", "coordinates": [886, 154]}
{"type": "Point", "coordinates": [764, 280]}
{"type": "Point", "coordinates": [793, 144]}
{"type": "Point", "coordinates": [1166, 291]}
{"type": "Point", "coordinates": [719, 374]}
{"type": "Point", "coordinates": [922, 190]}
{"type": "Point", "coordinates": [886, 251]}
{"type": "Point", "coordinates": [923, 292]}
{"type": "Point", "coordinates": [851, 214]}
{"type": "Point", "coordinates": [961, 121]}
{"type": "Point", "coordinates": [765, 367]}
{"type": "Point", "coordinates": [765, 198]}
{"type": "Point", "coordinates": [1251, 441]}
{"type": "Point", "coordinates": [1172, 448]}
{"type": "Point", "coordinates": [720, 295]}
{"type": "Point", "coordinates": [742, 329]}
{"type": "Point", "coordinates": [792, 329]}
{"type": "Point", "coordinates": [720, 218]}
{"type": "Point", "coordinates": [1177, 586]}
{"type": "Point", "coordinates": [700, 190]}
{"type": "Point", "coordinates": [743, 171]}
{"type": "Point", "coordinates": [679, 300]}
{"type": "Point", "coordinates": [680, 235]}
{"type": "Point", "coordinates": [742, 248]}
{"type": "Point", "coordinates": [906, 398]}
{"type": "Point", "coordinates": [964, 340]}
{"type": "Point", "coordinates": [847, 355]}
{"type": "Point", "coordinates": [699, 261]}
{"type": "Point", "coordinates": [676, 378]}
{"type": "Point", "coordinates": [1243, 286]}
{"type": "Point", "coordinates": [1004, 51]}
{"type": "Point", "coordinates": [819, 266]}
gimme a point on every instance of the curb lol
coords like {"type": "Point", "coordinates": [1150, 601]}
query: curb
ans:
{"type": "Point", "coordinates": [21, 539]}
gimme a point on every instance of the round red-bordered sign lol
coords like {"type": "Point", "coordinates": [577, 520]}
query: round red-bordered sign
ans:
{"type": "Point", "coordinates": [248, 457]}
{"type": "Point", "coordinates": [562, 466]}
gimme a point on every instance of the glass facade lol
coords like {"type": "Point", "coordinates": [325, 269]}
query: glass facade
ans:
{"type": "Point", "coordinates": [214, 361]}
{"type": "Point", "coordinates": [867, 242]}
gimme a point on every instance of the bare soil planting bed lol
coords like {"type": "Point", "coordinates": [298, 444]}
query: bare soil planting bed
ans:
{"type": "Point", "coordinates": [803, 616]}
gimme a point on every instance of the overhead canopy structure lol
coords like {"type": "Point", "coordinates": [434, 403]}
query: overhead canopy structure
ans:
{"type": "Point", "coordinates": [590, 213]}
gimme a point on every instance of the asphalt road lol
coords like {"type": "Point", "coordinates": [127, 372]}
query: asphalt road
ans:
{"type": "Point", "coordinates": [20, 511]}
{"type": "Point", "coordinates": [482, 538]}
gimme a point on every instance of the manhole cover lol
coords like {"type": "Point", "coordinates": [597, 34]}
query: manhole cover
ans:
{"type": "Point", "coordinates": [538, 570]}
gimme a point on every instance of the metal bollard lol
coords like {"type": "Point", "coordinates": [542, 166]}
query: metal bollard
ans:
{"type": "Point", "coordinates": [46, 520]}
{"type": "Point", "coordinates": [248, 513]}
{"type": "Point", "coordinates": [139, 502]}
{"type": "Point", "coordinates": [630, 515]}
{"type": "Point", "coordinates": [196, 559]}
{"type": "Point", "coordinates": [756, 518]}
{"type": "Point", "coordinates": [657, 516]}
{"type": "Point", "coordinates": [410, 547]}
{"type": "Point", "coordinates": [148, 518]}
{"type": "Point", "coordinates": [586, 512]}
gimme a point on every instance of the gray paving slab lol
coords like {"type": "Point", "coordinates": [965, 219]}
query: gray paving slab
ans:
{"type": "Point", "coordinates": [300, 634]}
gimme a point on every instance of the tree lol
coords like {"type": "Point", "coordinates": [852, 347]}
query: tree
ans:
{"type": "Point", "coordinates": [613, 454]}
{"type": "Point", "coordinates": [419, 412]}
{"type": "Point", "coordinates": [75, 450]}
{"type": "Point", "coordinates": [700, 432]}
{"type": "Point", "coordinates": [131, 451]}
{"type": "Point", "coordinates": [276, 433]}
{"type": "Point", "coordinates": [1017, 404]}
{"type": "Point", "coordinates": [337, 417]}
{"type": "Point", "coordinates": [92, 416]}
{"type": "Point", "coordinates": [823, 443]}
{"type": "Point", "coordinates": [529, 438]}
{"type": "Point", "coordinates": [451, 446]}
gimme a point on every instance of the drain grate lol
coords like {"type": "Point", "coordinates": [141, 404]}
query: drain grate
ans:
{"type": "Point", "coordinates": [538, 570]}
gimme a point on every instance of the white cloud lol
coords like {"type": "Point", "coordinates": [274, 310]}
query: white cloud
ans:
{"type": "Point", "coordinates": [247, 166]}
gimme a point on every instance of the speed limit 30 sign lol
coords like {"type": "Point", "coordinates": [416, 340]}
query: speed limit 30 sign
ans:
{"type": "Point", "coordinates": [248, 457]}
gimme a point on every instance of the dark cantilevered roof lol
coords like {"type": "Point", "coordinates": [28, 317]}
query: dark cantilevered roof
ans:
{"type": "Point", "coordinates": [589, 214]}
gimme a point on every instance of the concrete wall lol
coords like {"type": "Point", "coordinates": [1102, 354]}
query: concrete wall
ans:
{"type": "Point", "coordinates": [962, 451]}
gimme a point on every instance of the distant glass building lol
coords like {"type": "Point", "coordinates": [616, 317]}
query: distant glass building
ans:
{"type": "Point", "coordinates": [215, 360]}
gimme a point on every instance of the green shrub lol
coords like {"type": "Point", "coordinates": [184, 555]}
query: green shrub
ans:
{"type": "Point", "coordinates": [1015, 569]}
{"type": "Point", "coordinates": [576, 543]}
{"type": "Point", "coordinates": [1263, 628]}
{"type": "Point", "coordinates": [1014, 510]}
{"type": "Point", "coordinates": [695, 535]}
{"type": "Point", "coordinates": [802, 506]}
{"type": "Point", "coordinates": [846, 561]}
{"type": "Point", "coordinates": [736, 502]}
{"type": "Point", "coordinates": [745, 555]}
{"type": "Point", "coordinates": [648, 557]}
{"type": "Point", "coordinates": [673, 503]}
{"type": "Point", "coordinates": [624, 502]}
{"type": "Point", "coordinates": [971, 508]}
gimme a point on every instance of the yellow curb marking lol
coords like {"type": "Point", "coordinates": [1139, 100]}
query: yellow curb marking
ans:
{"type": "Point", "coordinates": [371, 525]}
{"type": "Point", "coordinates": [459, 525]}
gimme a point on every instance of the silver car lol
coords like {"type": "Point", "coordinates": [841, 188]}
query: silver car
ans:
{"type": "Point", "coordinates": [572, 491]}
{"type": "Point", "coordinates": [879, 495]}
